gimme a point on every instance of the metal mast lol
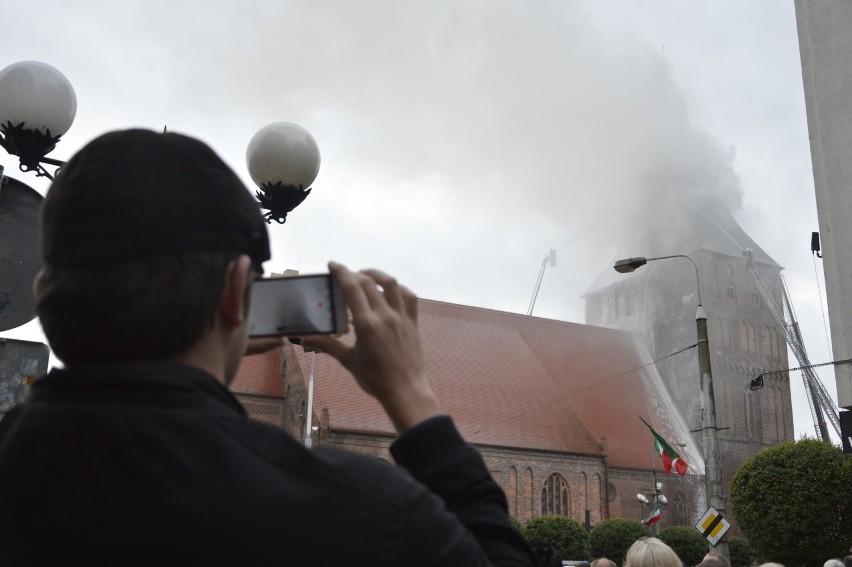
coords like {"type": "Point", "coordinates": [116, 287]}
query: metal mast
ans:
{"type": "Point", "coordinates": [818, 399]}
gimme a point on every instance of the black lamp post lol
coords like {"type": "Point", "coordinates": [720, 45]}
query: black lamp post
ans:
{"type": "Point", "coordinates": [713, 470]}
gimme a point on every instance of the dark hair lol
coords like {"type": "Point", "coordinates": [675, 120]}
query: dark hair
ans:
{"type": "Point", "coordinates": [545, 554]}
{"type": "Point", "coordinates": [149, 309]}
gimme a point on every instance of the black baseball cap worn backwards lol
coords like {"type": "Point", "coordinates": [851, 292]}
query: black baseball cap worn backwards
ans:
{"type": "Point", "coordinates": [136, 194]}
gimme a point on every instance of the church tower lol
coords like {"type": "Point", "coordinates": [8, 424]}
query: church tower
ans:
{"type": "Point", "coordinates": [659, 300]}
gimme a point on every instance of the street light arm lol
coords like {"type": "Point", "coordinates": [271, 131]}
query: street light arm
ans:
{"type": "Point", "coordinates": [697, 279]}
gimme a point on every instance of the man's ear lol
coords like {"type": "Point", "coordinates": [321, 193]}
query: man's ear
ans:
{"type": "Point", "coordinates": [233, 306]}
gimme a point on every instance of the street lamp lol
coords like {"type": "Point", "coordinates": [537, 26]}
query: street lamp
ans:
{"type": "Point", "coordinates": [713, 471]}
{"type": "Point", "coordinates": [38, 106]}
{"type": "Point", "coordinates": [657, 499]}
{"type": "Point", "coordinates": [283, 160]}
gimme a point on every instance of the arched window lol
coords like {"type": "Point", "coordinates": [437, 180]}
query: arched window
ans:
{"type": "Point", "coordinates": [679, 516]}
{"type": "Point", "coordinates": [732, 292]}
{"type": "Point", "coordinates": [726, 334]}
{"type": "Point", "coordinates": [743, 335]}
{"type": "Point", "coordinates": [512, 491]}
{"type": "Point", "coordinates": [752, 340]}
{"type": "Point", "coordinates": [597, 515]}
{"type": "Point", "coordinates": [526, 512]}
{"type": "Point", "coordinates": [712, 280]}
{"type": "Point", "coordinates": [782, 415]}
{"type": "Point", "coordinates": [773, 413]}
{"type": "Point", "coordinates": [556, 496]}
{"type": "Point", "coordinates": [766, 342]}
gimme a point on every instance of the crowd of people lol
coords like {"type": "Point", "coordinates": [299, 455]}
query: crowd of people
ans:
{"type": "Point", "coordinates": [651, 552]}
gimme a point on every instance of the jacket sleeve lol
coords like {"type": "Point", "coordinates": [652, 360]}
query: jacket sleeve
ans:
{"type": "Point", "coordinates": [468, 523]}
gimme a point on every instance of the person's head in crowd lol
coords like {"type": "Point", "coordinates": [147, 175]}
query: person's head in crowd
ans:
{"type": "Point", "coordinates": [833, 563]}
{"type": "Point", "coordinates": [771, 564]}
{"type": "Point", "coordinates": [545, 554]}
{"type": "Point", "coordinates": [651, 552]}
{"type": "Point", "coordinates": [847, 561]}
{"type": "Point", "coordinates": [714, 559]}
{"type": "Point", "coordinates": [141, 233]}
{"type": "Point", "coordinates": [603, 562]}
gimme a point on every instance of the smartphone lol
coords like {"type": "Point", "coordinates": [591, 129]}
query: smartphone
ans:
{"type": "Point", "coordinates": [298, 305]}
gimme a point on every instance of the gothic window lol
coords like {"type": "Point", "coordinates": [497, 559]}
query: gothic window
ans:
{"type": "Point", "coordinates": [782, 415]}
{"type": "Point", "coordinates": [729, 404]}
{"type": "Point", "coordinates": [726, 334]}
{"type": "Point", "coordinates": [732, 292]}
{"type": "Point", "coordinates": [743, 334]}
{"type": "Point", "coordinates": [556, 496]}
{"type": "Point", "coordinates": [526, 512]}
{"type": "Point", "coordinates": [512, 491]}
{"type": "Point", "coordinates": [715, 331]}
{"type": "Point", "coordinates": [766, 343]}
{"type": "Point", "coordinates": [752, 417]}
{"type": "Point", "coordinates": [597, 516]}
{"type": "Point", "coordinates": [713, 280]}
{"type": "Point", "coordinates": [752, 340]}
{"type": "Point", "coordinates": [773, 413]}
{"type": "Point", "coordinates": [755, 300]}
{"type": "Point", "coordinates": [679, 517]}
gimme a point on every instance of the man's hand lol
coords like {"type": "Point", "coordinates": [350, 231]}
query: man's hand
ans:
{"type": "Point", "coordinates": [387, 358]}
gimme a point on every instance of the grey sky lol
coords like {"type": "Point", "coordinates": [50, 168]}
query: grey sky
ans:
{"type": "Point", "coordinates": [461, 140]}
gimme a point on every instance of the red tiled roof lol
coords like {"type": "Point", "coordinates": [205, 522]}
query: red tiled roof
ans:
{"type": "Point", "coordinates": [508, 380]}
{"type": "Point", "coordinates": [260, 374]}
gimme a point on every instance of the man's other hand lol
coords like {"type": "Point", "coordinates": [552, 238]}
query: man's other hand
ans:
{"type": "Point", "coordinates": [387, 357]}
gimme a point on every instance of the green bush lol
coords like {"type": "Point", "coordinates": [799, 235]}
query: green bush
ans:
{"type": "Point", "coordinates": [689, 545]}
{"type": "Point", "coordinates": [612, 538]}
{"type": "Point", "coordinates": [516, 523]}
{"type": "Point", "coordinates": [794, 503]}
{"type": "Point", "coordinates": [742, 553]}
{"type": "Point", "coordinates": [567, 536]}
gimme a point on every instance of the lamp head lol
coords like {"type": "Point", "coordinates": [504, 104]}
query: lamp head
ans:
{"type": "Point", "coordinates": [283, 160]}
{"type": "Point", "coordinates": [629, 264]}
{"type": "Point", "coordinates": [641, 498]}
{"type": "Point", "coordinates": [37, 107]}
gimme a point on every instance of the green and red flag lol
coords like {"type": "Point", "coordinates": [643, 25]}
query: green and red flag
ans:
{"type": "Point", "coordinates": [653, 517]}
{"type": "Point", "coordinates": [669, 455]}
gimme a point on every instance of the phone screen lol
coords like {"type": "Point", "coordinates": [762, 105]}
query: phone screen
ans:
{"type": "Point", "coordinates": [300, 305]}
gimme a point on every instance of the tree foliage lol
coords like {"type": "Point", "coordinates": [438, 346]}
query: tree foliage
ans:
{"type": "Point", "coordinates": [742, 553]}
{"type": "Point", "coordinates": [794, 503]}
{"type": "Point", "coordinates": [516, 523]}
{"type": "Point", "coordinates": [612, 538]}
{"type": "Point", "coordinates": [567, 536]}
{"type": "Point", "coordinates": [689, 545]}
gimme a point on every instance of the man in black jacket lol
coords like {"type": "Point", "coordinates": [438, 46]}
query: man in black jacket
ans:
{"type": "Point", "coordinates": [136, 453]}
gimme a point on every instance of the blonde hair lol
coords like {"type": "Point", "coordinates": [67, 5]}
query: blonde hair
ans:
{"type": "Point", "coordinates": [651, 552]}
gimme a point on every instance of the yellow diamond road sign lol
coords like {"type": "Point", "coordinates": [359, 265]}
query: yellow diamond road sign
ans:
{"type": "Point", "coordinates": [712, 525]}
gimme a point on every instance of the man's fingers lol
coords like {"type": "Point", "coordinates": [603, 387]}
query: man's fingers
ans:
{"type": "Point", "coordinates": [329, 345]}
{"type": "Point", "coordinates": [351, 286]}
{"type": "Point", "coordinates": [390, 287]}
{"type": "Point", "coordinates": [410, 302]}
